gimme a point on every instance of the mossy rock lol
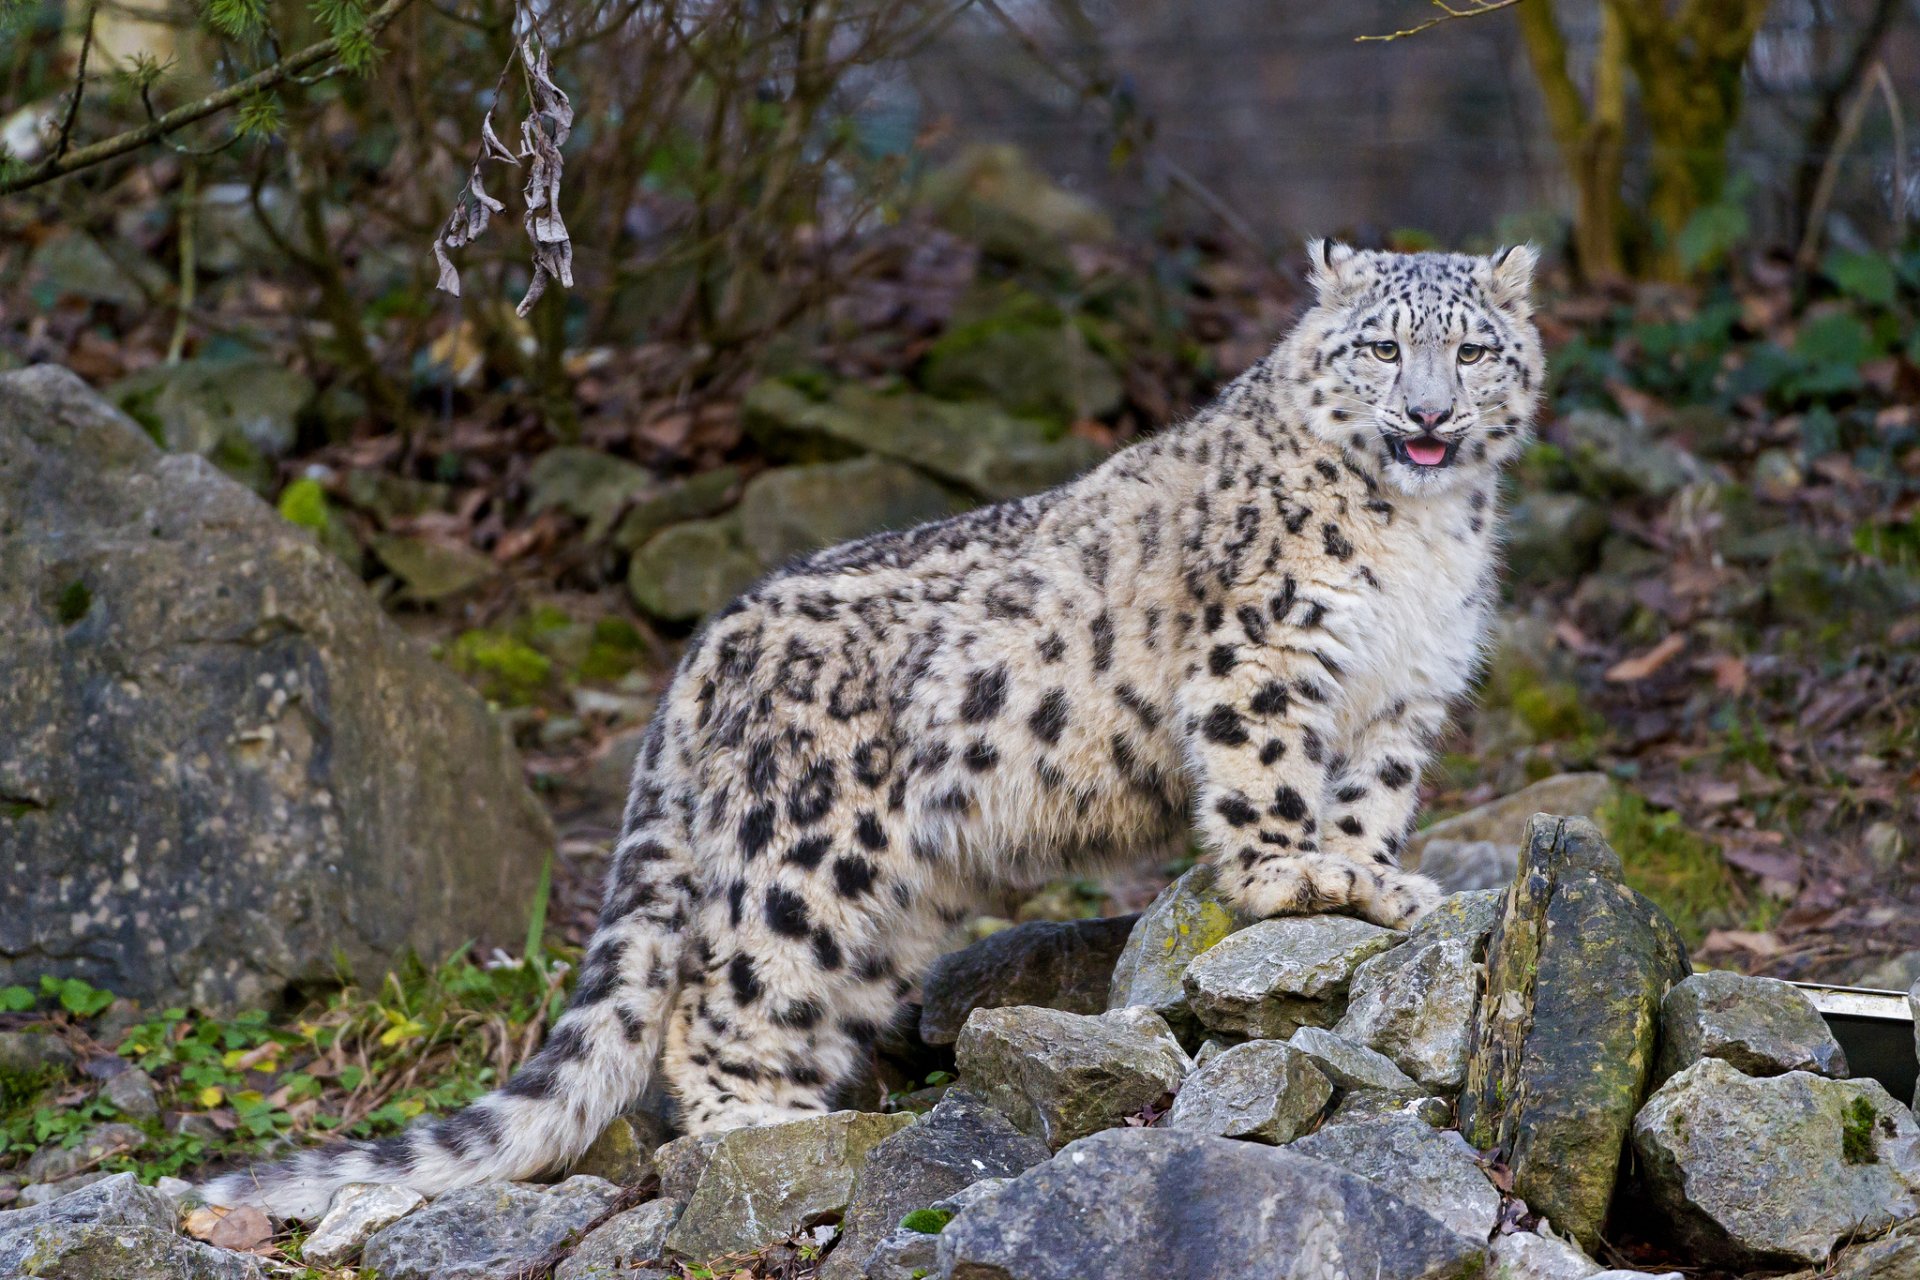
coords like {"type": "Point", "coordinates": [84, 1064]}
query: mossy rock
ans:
{"type": "Point", "coordinates": [1188, 917]}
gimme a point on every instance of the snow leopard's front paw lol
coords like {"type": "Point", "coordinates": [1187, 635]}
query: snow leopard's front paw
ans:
{"type": "Point", "coordinates": [1315, 885]}
{"type": "Point", "coordinates": [1399, 898]}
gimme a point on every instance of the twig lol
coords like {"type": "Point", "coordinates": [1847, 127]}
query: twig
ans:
{"type": "Point", "coordinates": [120, 144]}
{"type": "Point", "coordinates": [1473, 9]}
{"type": "Point", "coordinates": [189, 268]}
{"type": "Point", "coordinates": [79, 91]}
{"type": "Point", "coordinates": [1830, 171]}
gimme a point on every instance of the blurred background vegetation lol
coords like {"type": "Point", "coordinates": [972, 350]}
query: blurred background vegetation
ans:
{"type": "Point", "coordinates": [847, 264]}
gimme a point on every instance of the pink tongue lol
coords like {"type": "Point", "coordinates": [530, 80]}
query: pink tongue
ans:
{"type": "Point", "coordinates": [1428, 453]}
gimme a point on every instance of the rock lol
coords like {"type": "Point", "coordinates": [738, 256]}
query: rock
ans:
{"type": "Point", "coordinates": [991, 195]}
{"type": "Point", "coordinates": [1263, 1090]}
{"type": "Point", "coordinates": [1554, 537]}
{"type": "Point", "coordinates": [1147, 1204]}
{"type": "Point", "coordinates": [1504, 821]}
{"type": "Point", "coordinates": [1433, 1169]}
{"type": "Point", "coordinates": [1461, 866]}
{"type": "Point", "coordinates": [1358, 1106]}
{"type": "Point", "coordinates": [1893, 1257]}
{"type": "Point", "coordinates": [1893, 973]}
{"type": "Point", "coordinates": [611, 1252]}
{"type": "Point", "coordinates": [682, 1162]}
{"type": "Point", "coordinates": [1564, 1044]}
{"type": "Point", "coordinates": [1189, 916]}
{"type": "Point", "coordinates": [75, 265]}
{"type": "Point", "coordinates": [47, 1192]}
{"type": "Point", "coordinates": [238, 414]}
{"type": "Point", "coordinates": [356, 1214]}
{"type": "Point", "coordinates": [1208, 1051]}
{"type": "Point", "coordinates": [31, 1060]}
{"type": "Point", "coordinates": [1884, 846]}
{"type": "Point", "coordinates": [959, 1142]}
{"type": "Point", "coordinates": [974, 445]}
{"type": "Point", "coordinates": [623, 1153]}
{"type": "Point", "coordinates": [1614, 458]}
{"type": "Point", "coordinates": [1913, 1006]}
{"type": "Point", "coordinates": [688, 570]}
{"type": "Point", "coordinates": [1060, 1076]}
{"type": "Point", "coordinates": [1274, 977]}
{"type": "Point", "coordinates": [790, 511]}
{"type": "Point", "coordinates": [489, 1232]}
{"type": "Point", "coordinates": [1414, 1004]}
{"type": "Point", "coordinates": [1056, 966]}
{"type": "Point", "coordinates": [132, 1094]}
{"type": "Point", "coordinates": [592, 486]}
{"type": "Point", "coordinates": [763, 1184]}
{"type": "Point", "coordinates": [1761, 1025]}
{"type": "Point", "coordinates": [1349, 1065]}
{"type": "Point", "coordinates": [114, 1229]}
{"type": "Point", "coordinates": [1029, 360]}
{"type": "Point", "coordinates": [50, 1164]}
{"type": "Point", "coordinates": [1525, 1256]}
{"type": "Point", "coordinates": [1775, 1171]}
{"type": "Point", "coordinates": [911, 1250]}
{"type": "Point", "coordinates": [431, 569]}
{"type": "Point", "coordinates": [228, 773]}
{"type": "Point", "coordinates": [705, 494]}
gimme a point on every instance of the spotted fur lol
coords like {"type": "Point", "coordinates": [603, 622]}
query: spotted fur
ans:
{"type": "Point", "coordinates": [1252, 625]}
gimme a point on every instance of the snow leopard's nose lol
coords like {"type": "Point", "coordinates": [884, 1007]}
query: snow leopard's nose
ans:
{"type": "Point", "coordinates": [1429, 417]}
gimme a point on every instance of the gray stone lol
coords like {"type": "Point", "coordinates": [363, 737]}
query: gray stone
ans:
{"type": "Point", "coordinates": [593, 486]}
{"type": "Point", "coordinates": [909, 1254]}
{"type": "Point", "coordinates": [615, 1248]}
{"type": "Point", "coordinates": [1358, 1106]}
{"type": "Point", "coordinates": [790, 511]}
{"type": "Point", "coordinates": [1554, 537]}
{"type": "Point", "coordinates": [132, 1093]}
{"type": "Point", "coordinates": [1525, 1256]}
{"type": "Point", "coordinates": [1148, 1204]}
{"type": "Point", "coordinates": [1030, 360]}
{"type": "Point", "coordinates": [688, 570]}
{"type": "Point", "coordinates": [993, 454]}
{"type": "Point", "coordinates": [1418, 1011]}
{"type": "Point", "coordinates": [1564, 1046]}
{"type": "Point", "coordinates": [431, 569]}
{"type": "Point", "coordinates": [30, 1060]}
{"type": "Point", "coordinates": [1060, 1076]}
{"type": "Point", "coordinates": [1459, 866]}
{"type": "Point", "coordinates": [1761, 1025]}
{"type": "Point", "coordinates": [1504, 821]}
{"type": "Point", "coordinates": [227, 770]}
{"type": "Point", "coordinates": [114, 1229]}
{"type": "Point", "coordinates": [681, 1163]}
{"type": "Point", "coordinates": [76, 265]}
{"type": "Point", "coordinates": [1057, 966]}
{"type": "Point", "coordinates": [696, 497]}
{"type": "Point", "coordinates": [1349, 1065]}
{"type": "Point", "coordinates": [763, 1184]}
{"type": "Point", "coordinates": [490, 1232]}
{"type": "Point", "coordinates": [356, 1214]}
{"type": "Point", "coordinates": [1424, 1166]}
{"type": "Point", "coordinates": [50, 1164]}
{"type": "Point", "coordinates": [623, 1153]}
{"type": "Point", "coordinates": [1271, 978]}
{"type": "Point", "coordinates": [1895, 1256]}
{"type": "Point", "coordinates": [1189, 916]}
{"type": "Point", "coordinates": [959, 1142]}
{"type": "Point", "coordinates": [47, 1192]}
{"type": "Point", "coordinates": [1616, 458]}
{"type": "Point", "coordinates": [239, 414]}
{"type": "Point", "coordinates": [994, 196]}
{"type": "Point", "coordinates": [1776, 1171]}
{"type": "Point", "coordinates": [1263, 1090]}
{"type": "Point", "coordinates": [1889, 973]}
{"type": "Point", "coordinates": [1913, 1007]}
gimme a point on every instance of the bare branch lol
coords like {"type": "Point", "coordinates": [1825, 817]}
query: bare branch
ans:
{"type": "Point", "coordinates": [213, 104]}
{"type": "Point", "coordinates": [1448, 13]}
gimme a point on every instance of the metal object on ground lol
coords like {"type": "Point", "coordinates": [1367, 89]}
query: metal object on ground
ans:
{"type": "Point", "coordinates": [1876, 1030]}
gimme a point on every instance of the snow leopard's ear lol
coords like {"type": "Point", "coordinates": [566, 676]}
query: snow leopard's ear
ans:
{"type": "Point", "coordinates": [1333, 269]}
{"type": "Point", "coordinates": [1509, 279]}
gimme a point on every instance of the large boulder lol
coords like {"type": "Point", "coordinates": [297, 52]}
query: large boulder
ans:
{"type": "Point", "coordinates": [1060, 1076]}
{"type": "Point", "coordinates": [1484, 842]}
{"type": "Point", "coordinates": [1776, 1171]}
{"type": "Point", "coordinates": [761, 1185]}
{"type": "Point", "coordinates": [493, 1232]}
{"type": "Point", "coordinates": [1055, 965]}
{"type": "Point", "coordinates": [1564, 1040]}
{"type": "Point", "coordinates": [114, 1229]}
{"type": "Point", "coordinates": [959, 1142]}
{"type": "Point", "coordinates": [224, 770]}
{"type": "Point", "coordinates": [1148, 1204]}
{"type": "Point", "coordinates": [1763, 1026]}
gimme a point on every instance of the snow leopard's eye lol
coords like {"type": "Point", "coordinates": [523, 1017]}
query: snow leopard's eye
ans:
{"type": "Point", "coordinates": [1388, 351]}
{"type": "Point", "coordinates": [1470, 352]}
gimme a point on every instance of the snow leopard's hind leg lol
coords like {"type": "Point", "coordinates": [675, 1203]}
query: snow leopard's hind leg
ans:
{"type": "Point", "coordinates": [596, 1060]}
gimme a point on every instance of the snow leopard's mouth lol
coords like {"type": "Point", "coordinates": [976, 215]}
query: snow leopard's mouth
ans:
{"type": "Point", "coordinates": [1424, 451]}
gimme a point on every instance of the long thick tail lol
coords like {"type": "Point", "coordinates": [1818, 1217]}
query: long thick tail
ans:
{"type": "Point", "coordinates": [596, 1060]}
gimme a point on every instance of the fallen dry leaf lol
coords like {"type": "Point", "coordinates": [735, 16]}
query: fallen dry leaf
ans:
{"type": "Point", "coordinates": [1643, 665]}
{"type": "Point", "coordinates": [1729, 674]}
{"type": "Point", "coordinates": [1760, 944]}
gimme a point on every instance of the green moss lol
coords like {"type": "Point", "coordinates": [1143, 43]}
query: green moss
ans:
{"type": "Point", "coordinates": [1684, 874]}
{"type": "Point", "coordinates": [508, 669]}
{"type": "Point", "coordinates": [304, 503]}
{"type": "Point", "coordinates": [616, 649]}
{"type": "Point", "coordinates": [19, 1087]}
{"type": "Point", "coordinates": [74, 603]}
{"type": "Point", "coordinates": [1856, 1133]}
{"type": "Point", "coordinates": [928, 1222]}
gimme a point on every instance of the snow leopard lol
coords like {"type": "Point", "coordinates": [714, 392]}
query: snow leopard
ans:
{"type": "Point", "coordinates": [1249, 627]}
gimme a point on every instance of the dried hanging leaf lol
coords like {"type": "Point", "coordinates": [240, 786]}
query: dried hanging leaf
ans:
{"type": "Point", "coordinates": [544, 132]}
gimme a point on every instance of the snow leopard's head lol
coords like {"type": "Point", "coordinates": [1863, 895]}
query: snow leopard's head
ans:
{"type": "Point", "coordinates": [1427, 364]}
